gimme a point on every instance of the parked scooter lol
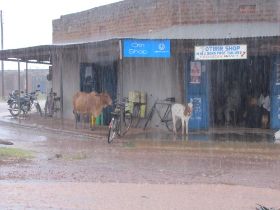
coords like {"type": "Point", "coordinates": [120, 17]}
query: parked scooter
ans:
{"type": "Point", "coordinates": [23, 103]}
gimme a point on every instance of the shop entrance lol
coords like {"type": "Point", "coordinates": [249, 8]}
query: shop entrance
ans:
{"type": "Point", "coordinates": [238, 91]}
{"type": "Point", "coordinates": [100, 78]}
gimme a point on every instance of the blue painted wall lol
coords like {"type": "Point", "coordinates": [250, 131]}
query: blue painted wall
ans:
{"type": "Point", "coordinates": [197, 92]}
{"type": "Point", "coordinates": [275, 93]}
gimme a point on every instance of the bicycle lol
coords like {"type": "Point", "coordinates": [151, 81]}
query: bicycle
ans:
{"type": "Point", "coordinates": [121, 120]}
{"type": "Point", "coordinates": [166, 118]}
{"type": "Point", "coordinates": [136, 114]}
{"type": "Point", "coordinates": [52, 104]}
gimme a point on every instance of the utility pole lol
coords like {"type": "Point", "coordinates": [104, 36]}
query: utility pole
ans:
{"type": "Point", "coordinates": [2, 62]}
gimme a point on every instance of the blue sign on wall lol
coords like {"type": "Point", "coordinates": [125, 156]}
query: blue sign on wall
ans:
{"type": "Point", "coordinates": [139, 48]}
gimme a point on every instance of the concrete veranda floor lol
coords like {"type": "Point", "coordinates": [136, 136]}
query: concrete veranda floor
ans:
{"type": "Point", "coordinates": [221, 134]}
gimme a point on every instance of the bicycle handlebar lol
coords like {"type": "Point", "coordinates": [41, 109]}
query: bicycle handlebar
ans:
{"type": "Point", "coordinates": [121, 101]}
{"type": "Point", "coordinates": [167, 102]}
{"type": "Point", "coordinates": [171, 99]}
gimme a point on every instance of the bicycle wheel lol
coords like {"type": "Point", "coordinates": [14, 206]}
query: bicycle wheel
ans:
{"type": "Point", "coordinates": [168, 121]}
{"type": "Point", "coordinates": [45, 108]}
{"type": "Point", "coordinates": [112, 130]}
{"type": "Point", "coordinates": [56, 104]}
{"type": "Point", "coordinates": [136, 115]}
{"type": "Point", "coordinates": [127, 121]}
{"type": "Point", "coordinates": [49, 107]}
{"type": "Point", "coordinates": [38, 108]}
{"type": "Point", "coordinates": [149, 118]}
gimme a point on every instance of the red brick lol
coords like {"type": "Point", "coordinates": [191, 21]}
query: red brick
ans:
{"type": "Point", "coordinates": [131, 17]}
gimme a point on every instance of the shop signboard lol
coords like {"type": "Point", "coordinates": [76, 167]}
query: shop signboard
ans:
{"type": "Point", "coordinates": [142, 48]}
{"type": "Point", "coordinates": [220, 52]}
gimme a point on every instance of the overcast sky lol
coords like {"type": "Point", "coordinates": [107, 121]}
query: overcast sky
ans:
{"type": "Point", "coordinates": [29, 22]}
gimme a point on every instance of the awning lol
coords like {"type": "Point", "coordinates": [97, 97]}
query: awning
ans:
{"type": "Point", "coordinates": [37, 54]}
{"type": "Point", "coordinates": [43, 54]}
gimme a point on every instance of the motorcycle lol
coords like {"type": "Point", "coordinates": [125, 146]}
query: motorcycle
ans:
{"type": "Point", "coordinates": [23, 103]}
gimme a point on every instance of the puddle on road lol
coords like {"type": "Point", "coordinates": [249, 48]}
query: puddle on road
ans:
{"type": "Point", "coordinates": [38, 138]}
{"type": "Point", "coordinates": [26, 136]}
{"type": "Point", "coordinates": [5, 133]}
{"type": "Point", "coordinates": [242, 137]}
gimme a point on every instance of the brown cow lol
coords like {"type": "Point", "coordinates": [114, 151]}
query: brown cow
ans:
{"type": "Point", "coordinates": [90, 103]}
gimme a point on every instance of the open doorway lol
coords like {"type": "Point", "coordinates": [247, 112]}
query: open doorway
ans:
{"type": "Point", "coordinates": [100, 78]}
{"type": "Point", "coordinates": [239, 89]}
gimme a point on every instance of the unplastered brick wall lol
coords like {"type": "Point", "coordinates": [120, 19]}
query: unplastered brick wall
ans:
{"type": "Point", "coordinates": [133, 17]}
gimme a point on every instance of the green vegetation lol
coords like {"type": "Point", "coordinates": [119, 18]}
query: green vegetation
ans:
{"type": "Point", "coordinates": [129, 144]}
{"type": "Point", "coordinates": [14, 153]}
{"type": "Point", "coordinates": [75, 156]}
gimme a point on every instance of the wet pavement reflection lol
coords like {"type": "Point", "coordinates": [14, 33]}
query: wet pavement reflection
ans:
{"type": "Point", "coordinates": [222, 135]}
{"type": "Point", "coordinates": [238, 157]}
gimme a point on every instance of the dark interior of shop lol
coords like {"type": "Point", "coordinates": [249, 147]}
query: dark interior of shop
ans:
{"type": "Point", "coordinates": [238, 90]}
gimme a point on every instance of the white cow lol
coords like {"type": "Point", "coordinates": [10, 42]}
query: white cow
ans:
{"type": "Point", "coordinates": [182, 112]}
{"type": "Point", "coordinates": [277, 137]}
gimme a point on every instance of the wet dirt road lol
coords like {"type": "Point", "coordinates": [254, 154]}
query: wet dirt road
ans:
{"type": "Point", "coordinates": [71, 171]}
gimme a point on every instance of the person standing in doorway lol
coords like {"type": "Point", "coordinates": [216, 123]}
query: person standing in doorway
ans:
{"type": "Point", "coordinates": [232, 103]}
{"type": "Point", "coordinates": [266, 110]}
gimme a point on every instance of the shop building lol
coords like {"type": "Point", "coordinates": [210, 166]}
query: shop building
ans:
{"type": "Point", "coordinates": [96, 43]}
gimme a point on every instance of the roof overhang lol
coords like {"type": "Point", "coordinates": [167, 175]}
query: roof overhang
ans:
{"type": "Point", "coordinates": [44, 54]}
{"type": "Point", "coordinates": [37, 54]}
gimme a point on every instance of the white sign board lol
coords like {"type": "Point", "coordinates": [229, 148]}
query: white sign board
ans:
{"type": "Point", "coordinates": [220, 52]}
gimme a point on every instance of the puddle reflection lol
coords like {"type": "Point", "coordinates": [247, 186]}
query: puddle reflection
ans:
{"type": "Point", "coordinates": [243, 137]}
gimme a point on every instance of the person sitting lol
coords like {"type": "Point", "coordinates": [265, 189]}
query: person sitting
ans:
{"type": "Point", "coordinates": [232, 104]}
{"type": "Point", "coordinates": [266, 110]}
{"type": "Point", "coordinates": [253, 112]}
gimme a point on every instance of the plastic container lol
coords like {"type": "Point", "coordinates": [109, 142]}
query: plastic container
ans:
{"type": "Point", "coordinates": [134, 96]}
{"type": "Point", "coordinates": [99, 119]}
{"type": "Point", "coordinates": [129, 106]}
{"type": "Point", "coordinates": [143, 97]}
{"type": "Point", "coordinates": [93, 120]}
{"type": "Point", "coordinates": [143, 110]}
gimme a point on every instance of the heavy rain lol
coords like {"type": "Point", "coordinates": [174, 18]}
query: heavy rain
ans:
{"type": "Point", "coordinates": [151, 104]}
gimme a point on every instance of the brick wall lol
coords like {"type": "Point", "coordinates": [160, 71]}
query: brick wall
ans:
{"type": "Point", "coordinates": [132, 17]}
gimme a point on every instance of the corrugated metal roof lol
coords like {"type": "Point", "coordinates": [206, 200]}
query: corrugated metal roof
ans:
{"type": "Point", "coordinates": [43, 54]}
{"type": "Point", "coordinates": [38, 54]}
{"type": "Point", "coordinates": [216, 31]}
